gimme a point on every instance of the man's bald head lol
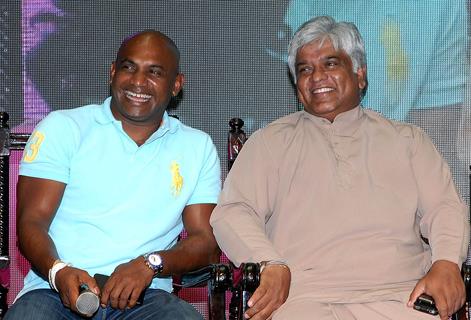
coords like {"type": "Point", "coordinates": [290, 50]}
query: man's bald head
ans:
{"type": "Point", "coordinates": [150, 36]}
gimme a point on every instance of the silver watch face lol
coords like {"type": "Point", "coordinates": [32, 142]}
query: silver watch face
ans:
{"type": "Point", "coordinates": [154, 259]}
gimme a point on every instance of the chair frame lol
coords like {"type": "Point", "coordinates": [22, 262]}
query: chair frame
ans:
{"type": "Point", "coordinates": [8, 141]}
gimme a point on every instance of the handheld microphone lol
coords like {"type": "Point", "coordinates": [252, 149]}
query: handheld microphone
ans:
{"type": "Point", "coordinates": [87, 302]}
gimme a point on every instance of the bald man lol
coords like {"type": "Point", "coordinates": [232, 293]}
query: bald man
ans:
{"type": "Point", "coordinates": [107, 189]}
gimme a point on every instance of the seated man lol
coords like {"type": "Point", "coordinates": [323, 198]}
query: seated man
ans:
{"type": "Point", "coordinates": [334, 200]}
{"type": "Point", "coordinates": [106, 189]}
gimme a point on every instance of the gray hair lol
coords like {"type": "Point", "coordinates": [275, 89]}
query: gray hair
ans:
{"type": "Point", "coordinates": [343, 36]}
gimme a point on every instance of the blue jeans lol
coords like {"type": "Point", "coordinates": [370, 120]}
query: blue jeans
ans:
{"type": "Point", "coordinates": [46, 304]}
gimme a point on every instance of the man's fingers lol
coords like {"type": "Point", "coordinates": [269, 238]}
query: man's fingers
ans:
{"type": "Point", "coordinates": [92, 286]}
{"type": "Point", "coordinates": [269, 301]}
{"type": "Point", "coordinates": [448, 299]}
{"type": "Point", "coordinates": [115, 298]}
{"type": "Point", "coordinates": [456, 301]}
{"type": "Point", "coordinates": [260, 314]}
{"type": "Point", "coordinates": [65, 299]}
{"type": "Point", "coordinates": [68, 281]}
{"type": "Point", "coordinates": [258, 293]}
{"type": "Point", "coordinates": [418, 290]}
{"type": "Point", "coordinates": [257, 302]}
{"type": "Point", "coordinates": [461, 294]}
{"type": "Point", "coordinates": [105, 294]}
{"type": "Point", "coordinates": [442, 306]}
{"type": "Point", "coordinates": [134, 297]}
{"type": "Point", "coordinates": [124, 297]}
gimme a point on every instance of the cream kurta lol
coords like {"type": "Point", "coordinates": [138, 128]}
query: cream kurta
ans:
{"type": "Point", "coordinates": [343, 204]}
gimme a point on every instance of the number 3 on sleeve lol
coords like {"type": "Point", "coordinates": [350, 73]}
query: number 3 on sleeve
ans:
{"type": "Point", "coordinates": [32, 149]}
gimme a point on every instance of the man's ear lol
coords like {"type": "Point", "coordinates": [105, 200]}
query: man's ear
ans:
{"type": "Point", "coordinates": [112, 71]}
{"type": "Point", "coordinates": [178, 85]}
{"type": "Point", "coordinates": [361, 76]}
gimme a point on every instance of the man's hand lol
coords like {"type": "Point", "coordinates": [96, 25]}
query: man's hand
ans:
{"type": "Point", "coordinates": [444, 283]}
{"type": "Point", "coordinates": [270, 294]}
{"type": "Point", "coordinates": [68, 281]}
{"type": "Point", "coordinates": [126, 283]}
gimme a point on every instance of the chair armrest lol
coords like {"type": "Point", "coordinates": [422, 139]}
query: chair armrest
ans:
{"type": "Point", "coordinates": [218, 279]}
{"type": "Point", "coordinates": [246, 281]}
{"type": "Point", "coordinates": [217, 274]}
{"type": "Point", "coordinates": [196, 278]}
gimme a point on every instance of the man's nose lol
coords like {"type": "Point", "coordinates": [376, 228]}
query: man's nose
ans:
{"type": "Point", "coordinates": [318, 74]}
{"type": "Point", "coordinates": [139, 78]}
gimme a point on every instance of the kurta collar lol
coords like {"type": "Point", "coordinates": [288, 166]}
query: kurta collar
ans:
{"type": "Point", "coordinates": [346, 122]}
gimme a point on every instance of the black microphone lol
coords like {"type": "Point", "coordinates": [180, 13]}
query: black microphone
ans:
{"type": "Point", "coordinates": [87, 302]}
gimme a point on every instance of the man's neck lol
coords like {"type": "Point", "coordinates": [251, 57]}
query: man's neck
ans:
{"type": "Point", "coordinates": [139, 133]}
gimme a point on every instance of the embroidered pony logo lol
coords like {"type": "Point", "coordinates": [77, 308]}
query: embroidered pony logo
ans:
{"type": "Point", "coordinates": [177, 179]}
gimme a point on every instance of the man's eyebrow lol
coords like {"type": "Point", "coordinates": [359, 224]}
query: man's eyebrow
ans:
{"type": "Point", "coordinates": [125, 60]}
{"type": "Point", "coordinates": [157, 66]}
{"type": "Point", "coordinates": [332, 57]}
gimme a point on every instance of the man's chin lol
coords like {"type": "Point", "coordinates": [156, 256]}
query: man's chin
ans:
{"type": "Point", "coordinates": [138, 119]}
{"type": "Point", "coordinates": [143, 119]}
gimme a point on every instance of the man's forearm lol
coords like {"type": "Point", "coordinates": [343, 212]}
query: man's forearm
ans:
{"type": "Point", "coordinates": [191, 253]}
{"type": "Point", "coordinates": [242, 237]}
{"type": "Point", "coordinates": [37, 202]}
{"type": "Point", "coordinates": [37, 246]}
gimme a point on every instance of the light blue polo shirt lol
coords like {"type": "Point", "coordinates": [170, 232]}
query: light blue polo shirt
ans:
{"type": "Point", "coordinates": [416, 49]}
{"type": "Point", "coordinates": [121, 200]}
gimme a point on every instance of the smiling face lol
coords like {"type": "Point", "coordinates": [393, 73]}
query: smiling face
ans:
{"type": "Point", "coordinates": [144, 77]}
{"type": "Point", "coordinates": [326, 83]}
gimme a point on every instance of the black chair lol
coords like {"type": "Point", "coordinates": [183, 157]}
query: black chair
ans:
{"type": "Point", "coordinates": [8, 142]}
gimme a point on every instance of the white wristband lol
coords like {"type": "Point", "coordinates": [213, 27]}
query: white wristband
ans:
{"type": "Point", "coordinates": [59, 265]}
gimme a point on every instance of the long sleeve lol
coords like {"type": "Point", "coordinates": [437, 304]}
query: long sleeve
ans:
{"type": "Point", "coordinates": [443, 214]}
{"type": "Point", "coordinates": [246, 203]}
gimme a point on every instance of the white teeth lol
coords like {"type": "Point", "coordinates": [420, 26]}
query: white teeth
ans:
{"type": "Point", "coordinates": [138, 96]}
{"type": "Point", "coordinates": [322, 90]}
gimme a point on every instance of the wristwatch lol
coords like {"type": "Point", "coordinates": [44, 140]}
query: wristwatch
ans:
{"type": "Point", "coordinates": [154, 262]}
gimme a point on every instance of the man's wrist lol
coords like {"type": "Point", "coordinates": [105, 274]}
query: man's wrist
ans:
{"type": "Point", "coordinates": [154, 262]}
{"type": "Point", "coordinates": [56, 267]}
{"type": "Point", "coordinates": [277, 263]}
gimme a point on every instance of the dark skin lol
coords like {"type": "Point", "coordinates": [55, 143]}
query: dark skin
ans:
{"type": "Point", "coordinates": [143, 79]}
{"type": "Point", "coordinates": [327, 86]}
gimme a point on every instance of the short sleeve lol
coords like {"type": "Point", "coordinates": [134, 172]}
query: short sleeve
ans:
{"type": "Point", "coordinates": [49, 150]}
{"type": "Point", "coordinates": [208, 185]}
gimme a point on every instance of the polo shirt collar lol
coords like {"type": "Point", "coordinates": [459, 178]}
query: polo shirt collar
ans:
{"type": "Point", "coordinates": [165, 126]}
{"type": "Point", "coordinates": [105, 116]}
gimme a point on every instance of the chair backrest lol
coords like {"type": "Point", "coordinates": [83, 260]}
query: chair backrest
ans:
{"type": "Point", "coordinates": [8, 143]}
